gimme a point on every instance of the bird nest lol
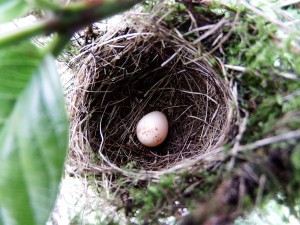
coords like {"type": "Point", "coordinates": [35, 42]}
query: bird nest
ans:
{"type": "Point", "coordinates": [139, 67]}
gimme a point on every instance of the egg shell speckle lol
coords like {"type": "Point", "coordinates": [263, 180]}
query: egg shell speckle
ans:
{"type": "Point", "coordinates": [152, 129]}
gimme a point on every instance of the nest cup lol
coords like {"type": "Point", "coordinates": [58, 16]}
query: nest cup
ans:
{"type": "Point", "coordinates": [140, 67]}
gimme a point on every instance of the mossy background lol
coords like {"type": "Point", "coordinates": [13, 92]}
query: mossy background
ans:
{"type": "Point", "coordinates": [263, 61]}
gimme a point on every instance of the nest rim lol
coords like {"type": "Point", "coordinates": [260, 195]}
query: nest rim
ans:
{"type": "Point", "coordinates": [215, 152]}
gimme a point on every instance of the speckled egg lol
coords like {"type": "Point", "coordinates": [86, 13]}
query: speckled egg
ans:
{"type": "Point", "coordinates": [152, 129]}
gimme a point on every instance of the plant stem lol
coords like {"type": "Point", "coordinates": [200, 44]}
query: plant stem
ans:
{"type": "Point", "coordinates": [78, 15]}
{"type": "Point", "coordinates": [58, 44]}
{"type": "Point", "coordinates": [101, 4]}
{"type": "Point", "coordinates": [70, 19]}
{"type": "Point", "coordinates": [45, 4]}
{"type": "Point", "coordinates": [20, 35]}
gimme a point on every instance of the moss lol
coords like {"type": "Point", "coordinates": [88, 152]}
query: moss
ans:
{"type": "Point", "coordinates": [261, 88]}
{"type": "Point", "coordinates": [170, 194]}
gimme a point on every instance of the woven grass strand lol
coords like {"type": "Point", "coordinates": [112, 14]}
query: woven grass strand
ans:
{"type": "Point", "coordinates": [134, 69]}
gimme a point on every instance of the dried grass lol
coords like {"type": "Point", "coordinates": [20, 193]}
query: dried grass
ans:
{"type": "Point", "coordinates": [139, 67]}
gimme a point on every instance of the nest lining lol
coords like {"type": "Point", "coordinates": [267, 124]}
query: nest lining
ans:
{"type": "Point", "coordinates": [142, 68]}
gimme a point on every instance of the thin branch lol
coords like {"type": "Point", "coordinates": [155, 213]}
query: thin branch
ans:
{"type": "Point", "coordinates": [292, 135]}
{"type": "Point", "coordinates": [287, 75]}
{"type": "Point", "coordinates": [284, 3]}
{"type": "Point", "coordinates": [21, 34]}
{"type": "Point", "coordinates": [58, 44]}
{"type": "Point", "coordinates": [264, 15]}
{"type": "Point", "coordinates": [46, 4]}
{"type": "Point", "coordinates": [70, 19]}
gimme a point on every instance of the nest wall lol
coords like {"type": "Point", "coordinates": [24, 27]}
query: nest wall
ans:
{"type": "Point", "coordinates": [143, 67]}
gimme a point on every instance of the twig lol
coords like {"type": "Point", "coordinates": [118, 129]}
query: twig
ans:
{"type": "Point", "coordinates": [264, 15]}
{"type": "Point", "coordinates": [284, 3]}
{"type": "Point", "coordinates": [236, 68]}
{"type": "Point", "coordinates": [48, 5]}
{"type": "Point", "coordinates": [292, 135]}
{"type": "Point", "coordinates": [291, 96]}
{"type": "Point", "coordinates": [286, 75]}
{"type": "Point", "coordinates": [21, 34]}
{"type": "Point", "coordinates": [70, 19]}
{"type": "Point", "coordinates": [58, 44]}
{"type": "Point", "coordinates": [211, 31]}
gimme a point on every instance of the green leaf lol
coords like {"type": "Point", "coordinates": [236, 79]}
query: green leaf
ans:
{"type": "Point", "coordinates": [33, 145]}
{"type": "Point", "coordinates": [11, 9]}
{"type": "Point", "coordinates": [17, 64]}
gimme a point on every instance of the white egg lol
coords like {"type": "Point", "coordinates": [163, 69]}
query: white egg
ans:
{"type": "Point", "coordinates": [152, 129]}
